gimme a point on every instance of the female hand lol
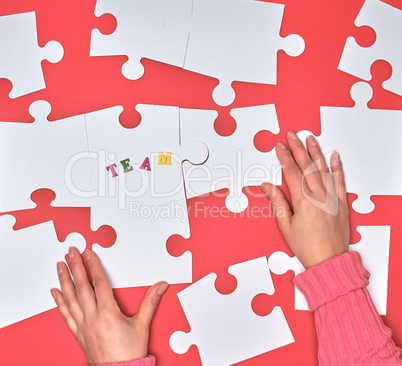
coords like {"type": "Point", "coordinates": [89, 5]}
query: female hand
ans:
{"type": "Point", "coordinates": [104, 333]}
{"type": "Point", "coordinates": [316, 228]}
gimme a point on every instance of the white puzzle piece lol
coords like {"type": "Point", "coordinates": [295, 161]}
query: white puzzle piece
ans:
{"type": "Point", "coordinates": [365, 140]}
{"type": "Point", "coordinates": [44, 154]}
{"type": "Point", "coordinates": [139, 256]}
{"type": "Point", "coordinates": [224, 327]}
{"type": "Point", "coordinates": [374, 249]}
{"type": "Point", "coordinates": [386, 21]}
{"type": "Point", "coordinates": [159, 131]}
{"type": "Point", "coordinates": [140, 33]}
{"type": "Point", "coordinates": [21, 57]}
{"type": "Point", "coordinates": [28, 268]}
{"type": "Point", "coordinates": [233, 161]}
{"type": "Point", "coordinates": [236, 40]}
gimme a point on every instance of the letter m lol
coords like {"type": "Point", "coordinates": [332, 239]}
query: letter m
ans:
{"type": "Point", "coordinates": [165, 159]}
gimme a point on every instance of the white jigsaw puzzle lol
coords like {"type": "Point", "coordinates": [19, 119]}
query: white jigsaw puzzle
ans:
{"type": "Point", "coordinates": [224, 327]}
{"type": "Point", "coordinates": [158, 132]}
{"type": "Point", "coordinates": [28, 268]}
{"type": "Point", "coordinates": [365, 140]}
{"type": "Point", "coordinates": [147, 206]}
{"type": "Point", "coordinates": [140, 33]}
{"type": "Point", "coordinates": [386, 21]}
{"type": "Point", "coordinates": [236, 40]}
{"type": "Point", "coordinates": [21, 57]}
{"type": "Point", "coordinates": [374, 249]}
{"type": "Point", "coordinates": [233, 161]}
{"type": "Point", "coordinates": [139, 256]}
{"type": "Point", "coordinates": [44, 154]}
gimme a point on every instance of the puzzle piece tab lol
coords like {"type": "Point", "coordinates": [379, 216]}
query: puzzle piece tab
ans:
{"type": "Point", "coordinates": [374, 249]}
{"type": "Point", "coordinates": [21, 57]}
{"type": "Point", "coordinates": [140, 33]}
{"type": "Point", "coordinates": [28, 268]}
{"type": "Point", "coordinates": [44, 154]}
{"type": "Point", "coordinates": [223, 327]}
{"type": "Point", "coordinates": [233, 161]}
{"type": "Point", "coordinates": [386, 21]}
{"type": "Point", "coordinates": [237, 40]}
{"type": "Point", "coordinates": [365, 139]}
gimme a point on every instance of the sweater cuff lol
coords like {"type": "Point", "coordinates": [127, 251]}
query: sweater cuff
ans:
{"type": "Point", "coordinates": [147, 361]}
{"type": "Point", "coordinates": [332, 278]}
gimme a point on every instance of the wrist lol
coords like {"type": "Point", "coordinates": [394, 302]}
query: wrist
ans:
{"type": "Point", "coordinates": [146, 361]}
{"type": "Point", "coordinates": [322, 257]}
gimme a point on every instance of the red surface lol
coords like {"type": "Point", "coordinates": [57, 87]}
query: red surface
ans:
{"type": "Point", "coordinates": [80, 84]}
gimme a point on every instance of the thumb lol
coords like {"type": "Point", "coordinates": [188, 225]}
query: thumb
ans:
{"type": "Point", "coordinates": [279, 204]}
{"type": "Point", "coordinates": [150, 303]}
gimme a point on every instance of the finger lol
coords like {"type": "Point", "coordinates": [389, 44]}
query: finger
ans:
{"type": "Point", "coordinates": [291, 171]}
{"type": "Point", "coordinates": [150, 303]}
{"type": "Point", "coordinates": [103, 290]}
{"type": "Point", "coordinates": [303, 160]}
{"type": "Point", "coordinates": [83, 289]}
{"type": "Point", "coordinates": [65, 313]}
{"type": "Point", "coordinates": [338, 176]}
{"type": "Point", "coordinates": [318, 158]}
{"type": "Point", "coordinates": [68, 292]}
{"type": "Point", "coordinates": [279, 204]}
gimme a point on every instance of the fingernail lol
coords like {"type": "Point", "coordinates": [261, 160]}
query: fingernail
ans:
{"type": "Point", "coordinates": [281, 145]}
{"type": "Point", "coordinates": [292, 135]}
{"type": "Point", "coordinates": [266, 189]}
{"type": "Point", "coordinates": [312, 140]}
{"type": "Point", "coordinates": [335, 158]}
{"type": "Point", "coordinates": [53, 295]}
{"type": "Point", "coordinates": [162, 289]}
{"type": "Point", "coordinates": [60, 267]}
{"type": "Point", "coordinates": [71, 252]}
{"type": "Point", "coordinates": [87, 255]}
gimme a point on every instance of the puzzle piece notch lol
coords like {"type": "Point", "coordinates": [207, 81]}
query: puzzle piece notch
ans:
{"type": "Point", "coordinates": [233, 161]}
{"type": "Point", "coordinates": [21, 56]}
{"type": "Point", "coordinates": [28, 261]}
{"type": "Point", "coordinates": [140, 33]}
{"type": "Point", "coordinates": [55, 156]}
{"type": "Point", "coordinates": [224, 327]}
{"type": "Point", "coordinates": [386, 21]}
{"type": "Point", "coordinates": [374, 249]}
{"type": "Point", "coordinates": [237, 41]}
{"type": "Point", "coordinates": [353, 132]}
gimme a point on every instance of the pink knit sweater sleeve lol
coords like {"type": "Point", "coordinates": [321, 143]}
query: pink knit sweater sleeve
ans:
{"type": "Point", "coordinates": [349, 328]}
{"type": "Point", "coordinates": [147, 361]}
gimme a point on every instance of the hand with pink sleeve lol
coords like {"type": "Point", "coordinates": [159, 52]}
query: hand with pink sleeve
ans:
{"type": "Point", "coordinates": [105, 334]}
{"type": "Point", "coordinates": [315, 225]}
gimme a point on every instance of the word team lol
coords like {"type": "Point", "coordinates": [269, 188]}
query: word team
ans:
{"type": "Point", "coordinates": [163, 159]}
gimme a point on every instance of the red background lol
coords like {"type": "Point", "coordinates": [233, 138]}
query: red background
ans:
{"type": "Point", "coordinates": [80, 84]}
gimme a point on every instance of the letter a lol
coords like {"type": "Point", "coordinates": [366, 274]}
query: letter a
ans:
{"type": "Point", "coordinates": [165, 159]}
{"type": "Point", "coordinates": [145, 165]}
